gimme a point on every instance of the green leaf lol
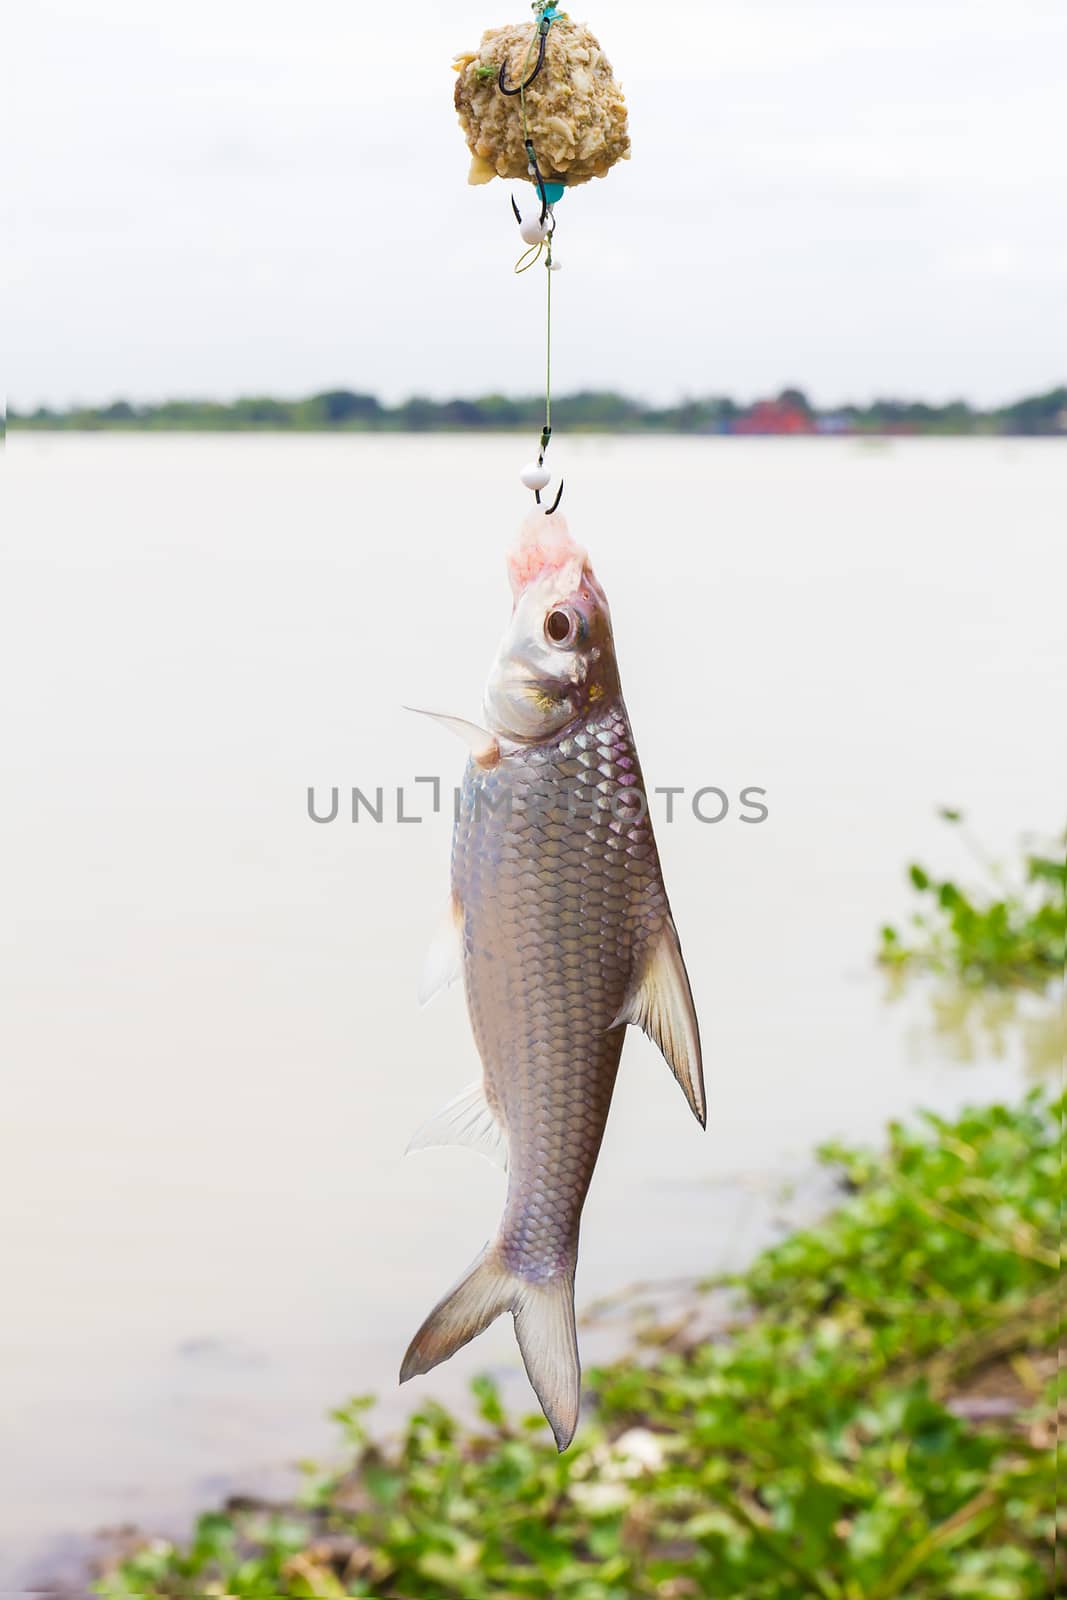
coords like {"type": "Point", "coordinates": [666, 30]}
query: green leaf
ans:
{"type": "Point", "coordinates": [811, 1447]}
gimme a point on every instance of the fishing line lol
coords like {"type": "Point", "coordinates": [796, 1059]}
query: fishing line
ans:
{"type": "Point", "coordinates": [571, 128]}
{"type": "Point", "coordinates": [547, 13]}
{"type": "Point", "coordinates": [548, 335]}
{"type": "Point", "coordinates": [528, 259]}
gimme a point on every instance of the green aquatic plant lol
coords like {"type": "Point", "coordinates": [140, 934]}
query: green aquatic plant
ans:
{"type": "Point", "coordinates": [873, 1418]}
{"type": "Point", "coordinates": [1013, 930]}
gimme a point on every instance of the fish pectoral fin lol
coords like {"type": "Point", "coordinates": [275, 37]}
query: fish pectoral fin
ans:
{"type": "Point", "coordinates": [661, 1005]}
{"type": "Point", "coordinates": [483, 745]}
{"type": "Point", "coordinates": [466, 1120]}
{"type": "Point", "coordinates": [444, 959]}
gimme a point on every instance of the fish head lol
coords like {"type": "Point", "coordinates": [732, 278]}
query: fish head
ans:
{"type": "Point", "coordinates": [557, 659]}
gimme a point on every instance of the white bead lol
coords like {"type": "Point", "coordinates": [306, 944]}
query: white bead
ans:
{"type": "Point", "coordinates": [533, 229]}
{"type": "Point", "coordinates": [555, 266]}
{"type": "Point", "coordinates": [534, 476]}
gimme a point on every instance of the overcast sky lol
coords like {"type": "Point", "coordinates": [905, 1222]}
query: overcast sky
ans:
{"type": "Point", "coordinates": [859, 196]}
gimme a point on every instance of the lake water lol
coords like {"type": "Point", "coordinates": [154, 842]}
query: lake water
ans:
{"type": "Point", "coordinates": [211, 1047]}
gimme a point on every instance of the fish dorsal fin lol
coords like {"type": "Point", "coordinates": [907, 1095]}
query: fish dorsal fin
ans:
{"type": "Point", "coordinates": [661, 1005]}
{"type": "Point", "coordinates": [466, 1120]}
{"type": "Point", "coordinates": [444, 959]}
{"type": "Point", "coordinates": [483, 745]}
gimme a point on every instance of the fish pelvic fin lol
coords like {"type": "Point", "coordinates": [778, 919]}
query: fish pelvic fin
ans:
{"type": "Point", "coordinates": [544, 1327]}
{"type": "Point", "coordinates": [661, 1005]}
{"type": "Point", "coordinates": [444, 958]}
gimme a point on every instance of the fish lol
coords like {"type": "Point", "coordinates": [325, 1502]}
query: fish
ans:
{"type": "Point", "coordinates": [560, 927]}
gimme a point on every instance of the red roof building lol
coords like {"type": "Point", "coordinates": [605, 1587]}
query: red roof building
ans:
{"type": "Point", "coordinates": [774, 416]}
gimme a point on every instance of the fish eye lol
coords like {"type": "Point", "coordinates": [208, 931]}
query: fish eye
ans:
{"type": "Point", "coordinates": [563, 627]}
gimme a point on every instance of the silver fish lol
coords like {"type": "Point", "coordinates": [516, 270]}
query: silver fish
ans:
{"type": "Point", "coordinates": [560, 926]}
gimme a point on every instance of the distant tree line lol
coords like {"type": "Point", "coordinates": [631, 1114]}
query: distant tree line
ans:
{"type": "Point", "coordinates": [345, 410]}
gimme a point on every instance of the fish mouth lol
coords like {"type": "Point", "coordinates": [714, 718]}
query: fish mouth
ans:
{"type": "Point", "coordinates": [545, 546]}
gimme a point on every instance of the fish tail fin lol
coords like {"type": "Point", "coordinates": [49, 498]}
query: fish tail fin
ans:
{"type": "Point", "coordinates": [544, 1327]}
{"type": "Point", "coordinates": [548, 1340]}
{"type": "Point", "coordinates": [480, 1296]}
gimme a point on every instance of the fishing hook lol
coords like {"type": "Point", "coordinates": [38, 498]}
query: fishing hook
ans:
{"type": "Point", "coordinates": [555, 504]}
{"type": "Point", "coordinates": [531, 157]}
{"type": "Point", "coordinates": [540, 182]}
{"type": "Point", "coordinates": [543, 28]}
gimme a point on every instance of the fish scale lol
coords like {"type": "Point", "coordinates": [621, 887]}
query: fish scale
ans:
{"type": "Point", "coordinates": [554, 934]}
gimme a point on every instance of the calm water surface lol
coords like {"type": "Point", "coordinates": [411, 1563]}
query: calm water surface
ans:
{"type": "Point", "coordinates": [212, 1053]}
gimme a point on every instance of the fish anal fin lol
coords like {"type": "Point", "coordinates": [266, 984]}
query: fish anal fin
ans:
{"type": "Point", "coordinates": [466, 1120]}
{"type": "Point", "coordinates": [444, 958]}
{"type": "Point", "coordinates": [483, 745]}
{"type": "Point", "coordinates": [661, 1005]}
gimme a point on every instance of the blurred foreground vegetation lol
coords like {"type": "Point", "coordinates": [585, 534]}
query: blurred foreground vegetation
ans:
{"type": "Point", "coordinates": [590, 411]}
{"type": "Point", "coordinates": [1010, 931]}
{"type": "Point", "coordinates": [870, 1414]}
